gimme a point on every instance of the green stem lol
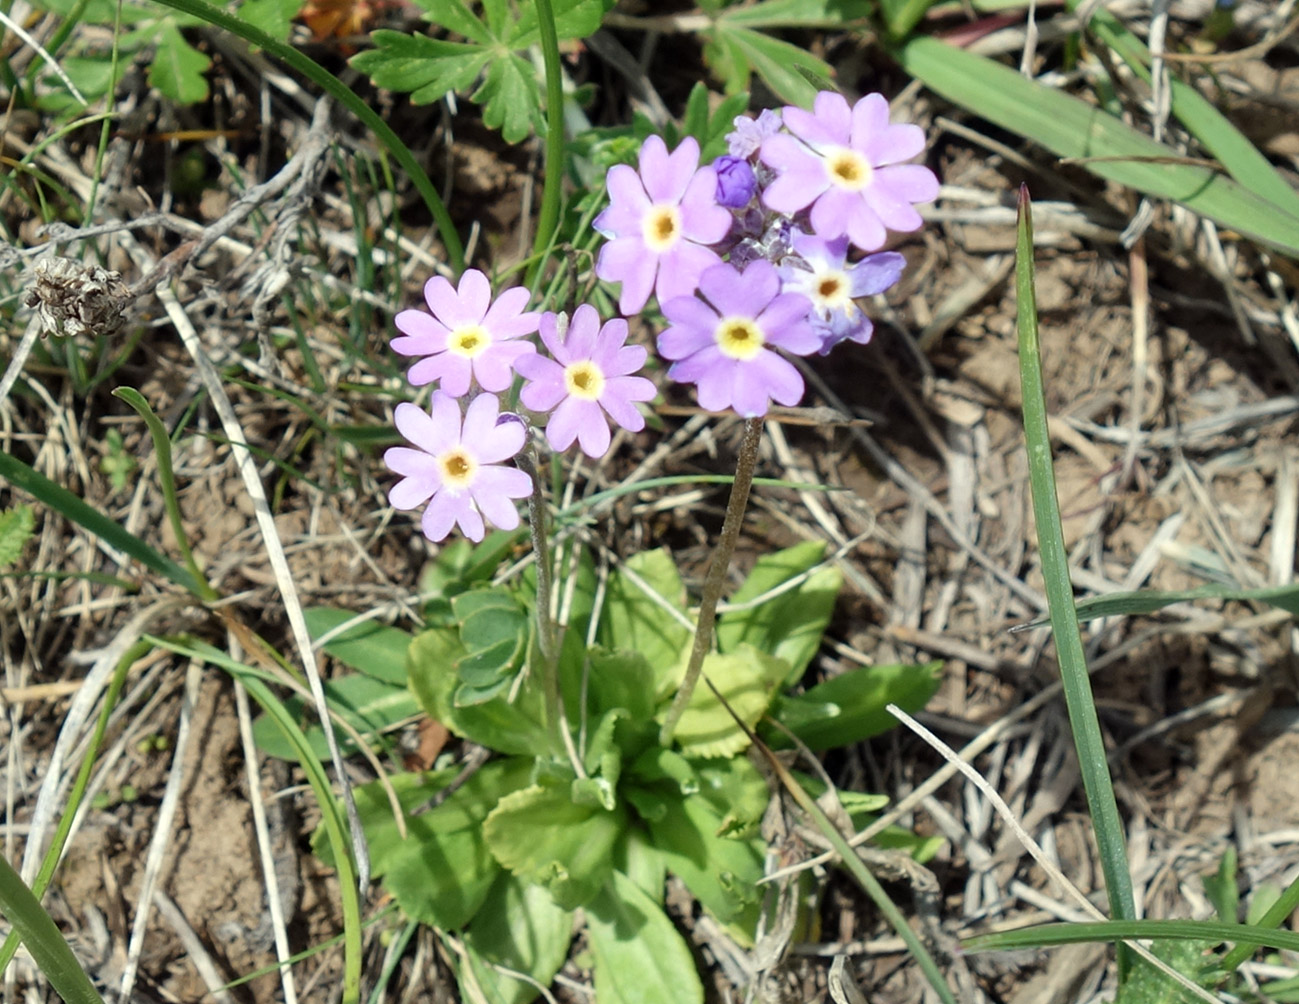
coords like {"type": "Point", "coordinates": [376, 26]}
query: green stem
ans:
{"type": "Point", "coordinates": [547, 638]}
{"type": "Point", "coordinates": [552, 175]}
{"type": "Point", "coordinates": [1106, 823]}
{"type": "Point", "coordinates": [162, 447]}
{"type": "Point", "coordinates": [716, 577]}
{"type": "Point", "coordinates": [347, 97]}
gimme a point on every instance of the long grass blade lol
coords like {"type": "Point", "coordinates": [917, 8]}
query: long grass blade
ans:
{"type": "Point", "coordinates": [42, 938]}
{"type": "Point", "coordinates": [1070, 127]}
{"type": "Point", "coordinates": [1213, 931]}
{"type": "Point", "coordinates": [1106, 824]}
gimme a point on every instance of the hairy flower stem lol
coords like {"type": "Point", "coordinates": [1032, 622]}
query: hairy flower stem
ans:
{"type": "Point", "coordinates": [716, 576]}
{"type": "Point", "coordinates": [547, 638]}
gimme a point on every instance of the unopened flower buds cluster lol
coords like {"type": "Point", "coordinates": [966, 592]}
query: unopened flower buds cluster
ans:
{"type": "Point", "coordinates": [746, 256]}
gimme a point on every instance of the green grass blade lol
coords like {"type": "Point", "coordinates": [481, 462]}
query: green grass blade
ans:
{"type": "Point", "coordinates": [31, 480]}
{"type": "Point", "coordinates": [1276, 915]}
{"type": "Point", "coordinates": [167, 480]}
{"type": "Point", "coordinates": [1106, 824]}
{"type": "Point", "coordinates": [334, 87]}
{"type": "Point", "coordinates": [1146, 601]}
{"type": "Point", "coordinates": [1242, 159]}
{"type": "Point", "coordinates": [331, 816]}
{"type": "Point", "coordinates": [55, 851]}
{"type": "Point", "coordinates": [1069, 127]}
{"type": "Point", "coordinates": [1113, 930]}
{"type": "Point", "coordinates": [42, 938]}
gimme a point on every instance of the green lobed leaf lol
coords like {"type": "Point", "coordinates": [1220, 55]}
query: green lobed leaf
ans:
{"type": "Point", "coordinates": [178, 69]}
{"type": "Point", "coordinates": [573, 19]}
{"type": "Point", "coordinates": [848, 708]}
{"type": "Point", "coordinates": [521, 928]}
{"type": "Point", "coordinates": [640, 957]}
{"type": "Point", "coordinates": [275, 17]}
{"type": "Point", "coordinates": [510, 98]}
{"type": "Point", "coordinates": [1070, 127]}
{"type": "Point", "coordinates": [372, 648]}
{"type": "Point", "coordinates": [634, 622]}
{"type": "Point", "coordinates": [427, 68]}
{"type": "Point", "coordinates": [16, 527]}
{"type": "Point", "coordinates": [785, 68]}
{"type": "Point", "coordinates": [790, 625]}
{"type": "Point", "coordinates": [539, 834]}
{"type": "Point", "coordinates": [455, 15]}
{"type": "Point", "coordinates": [747, 678]}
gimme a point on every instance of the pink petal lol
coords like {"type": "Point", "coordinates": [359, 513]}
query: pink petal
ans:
{"type": "Point", "coordinates": [907, 182]}
{"type": "Point", "coordinates": [698, 365]}
{"type": "Point", "coordinates": [440, 516]}
{"type": "Point", "coordinates": [411, 493]}
{"type": "Point", "coordinates": [894, 145]}
{"type": "Point", "coordinates": [422, 335]}
{"type": "Point", "coordinates": [627, 260]}
{"type": "Point", "coordinates": [764, 377]}
{"type": "Point", "coordinates": [434, 432]}
{"type": "Point", "coordinates": [680, 269]}
{"type": "Point", "coordinates": [494, 366]}
{"type": "Point", "coordinates": [627, 202]}
{"type": "Point", "coordinates": [870, 121]}
{"type": "Point", "coordinates": [583, 332]}
{"type": "Point", "coordinates": [830, 212]}
{"type": "Point", "coordinates": [627, 359]}
{"type": "Point", "coordinates": [593, 431]}
{"type": "Point", "coordinates": [702, 219]}
{"type": "Point", "coordinates": [452, 369]}
{"type": "Point", "coordinates": [666, 180]}
{"type": "Point", "coordinates": [506, 318]}
{"type": "Point", "coordinates": [495, 491]}
{"type": "Point", "coordinates": [562, 426]}
{"type": "Point", "coordinates": [681, 341]}
{"type": "Point", "coordinates": [475, 295]}
{"type": "Point", "coordinates": [737, 294]}
{"type": "Point", "coordinates": [865, 228]}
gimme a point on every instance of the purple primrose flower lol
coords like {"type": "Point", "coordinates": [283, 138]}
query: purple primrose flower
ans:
{"type": "Point", "coordinates": [457, 469]}
{"type": "Point", "coordinates": [659, 223]}
{"type": "Point", "coordinates": [724, 345]}
{"type": "Point", "coordinates": [590, 377]}
{"type": "Point", "coordinates": [846, 164]}
{"type": "Point", "coordinates": [735, 181]}
{"type": "Point", "coordinates": [824, 277]}
{"type": "Point", "coordinates": [467, 335]}
{"type": "Point", "coordinates": [749, 133]}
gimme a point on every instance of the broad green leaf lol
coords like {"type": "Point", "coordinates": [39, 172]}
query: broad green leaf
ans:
{"type": "Point", "coordinates": [791, 624]}
{"type": "Point", "coordinates": [16, 526]}
{"type": "Point", "coordinates": [369, 705]}
{"type": "Point", "coordinates": [851, 707]}
{"type": "Point", "coordinates": [621, 680]}
{"type": "Point", "coordinates": [737, 792]}
{"type": "Point", "coordinates": [799, 13]}
{"type": "Point", "coordinates": [496, 724]}
{"type": "Point", "coordinates": [443, 881]}
{"type": "Point", "coordinates": [747, 678]}
{"type": "Point", "coordinates": [641, 862]}
{"type": "Point", "coordinates": [178, 68]}
{"type": "Point", "coordinates": [785, 68]}
{"type": "Point", "coordinates": [640, 957]}
{"type": "Point", "coordinates": [1242, 159]}
{"type": "Point", "coordinates": [540, 835]}
{"type": "Point", "coordinates": [372, 648]}
{"type": "Point", "coordinates": [635, 622]}
{"type": "Point", "coordinates": [518, 927]}
{"type": "Point", "coordinates": [1070, 127]}
{"type": "Point", "coordinates": [428, 68]}
{"type": "Point", "coordinates": [494, 631]}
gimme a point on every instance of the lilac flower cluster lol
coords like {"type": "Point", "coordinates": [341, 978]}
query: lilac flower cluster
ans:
{"type": "Point", "coordinates": [750, 253]}
{"type": "Point", "coordinates": [748, 258]}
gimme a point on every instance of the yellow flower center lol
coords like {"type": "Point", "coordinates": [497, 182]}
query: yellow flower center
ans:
{"type": "Point", "coordinates": [469, 340]}
{"type": "Point", "coordinates": [739, 337]}
{"type": "Point", "coordinates": [661, 228]}
{"type": "Point", "coordinates": [585, 380]}
{"type": "Point", "coordinates": [458, 468]}
{"type": "Point", "coordinates": [848, 169]}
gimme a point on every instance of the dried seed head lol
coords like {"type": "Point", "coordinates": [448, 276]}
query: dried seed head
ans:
{"type": "Point", "coordinates": [73, 299]}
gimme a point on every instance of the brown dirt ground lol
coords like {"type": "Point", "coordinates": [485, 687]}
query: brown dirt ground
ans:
{"type": "Point", "coordinates": [1199, 705]}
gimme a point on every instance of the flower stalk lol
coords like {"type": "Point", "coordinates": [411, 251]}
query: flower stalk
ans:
{"type": "Point", "coordinates": [716, 577]}
{"type": "Point", "coordinates": [547, 636]}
